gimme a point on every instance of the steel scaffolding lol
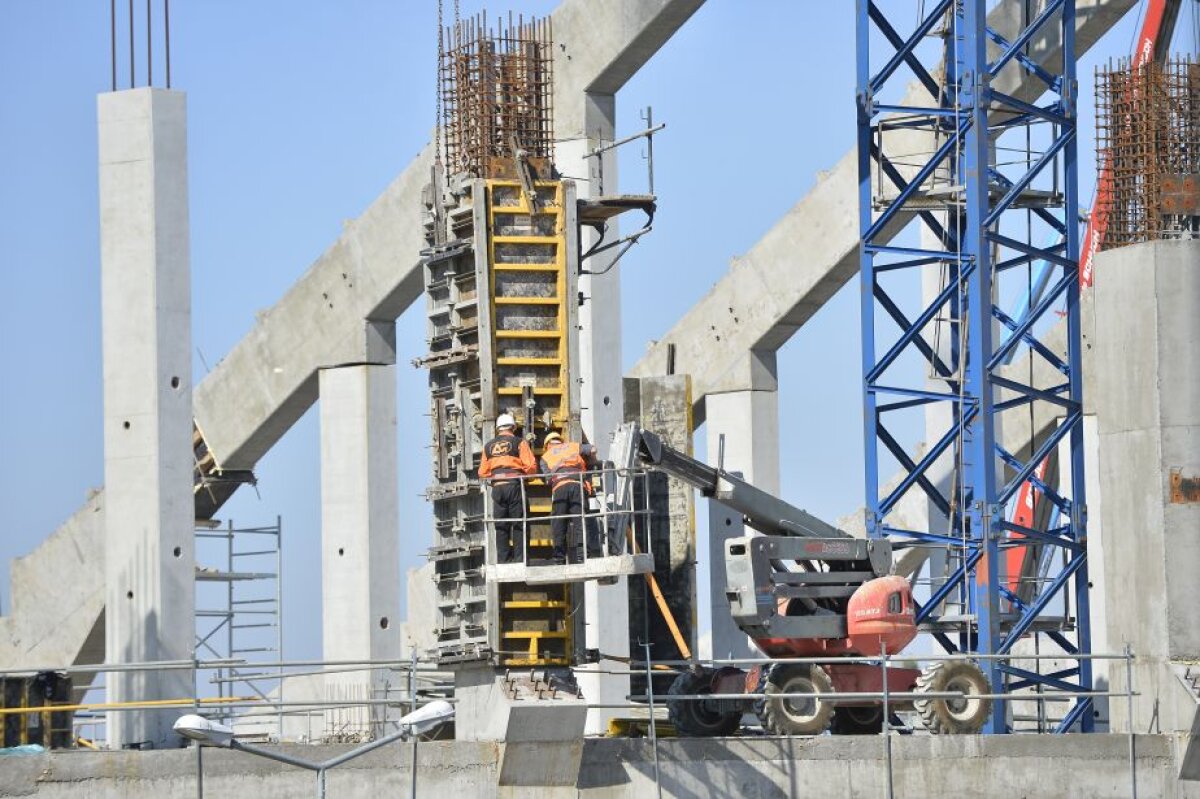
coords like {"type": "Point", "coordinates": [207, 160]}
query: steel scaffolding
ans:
{"type": "Point", "coordinates": [948, 232]}
{"type": "Point", "coordinates": [243, 613]}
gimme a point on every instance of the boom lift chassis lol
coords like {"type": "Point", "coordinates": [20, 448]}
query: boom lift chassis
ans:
{"type": "Point", "coordinates": [805, 590]}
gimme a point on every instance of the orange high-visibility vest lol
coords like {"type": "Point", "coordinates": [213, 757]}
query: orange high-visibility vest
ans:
{"type": "Point", "coordinates": [507, 455]}
{"type": "Point", "coordinates": [564, 459]}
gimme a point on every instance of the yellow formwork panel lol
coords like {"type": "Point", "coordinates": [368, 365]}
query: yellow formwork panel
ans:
{"type": "Point", "coordinates": [553, 610]}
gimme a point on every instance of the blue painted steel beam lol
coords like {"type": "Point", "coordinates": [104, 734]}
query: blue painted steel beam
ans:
{"type": "Point", "coordinates": [971, 119]}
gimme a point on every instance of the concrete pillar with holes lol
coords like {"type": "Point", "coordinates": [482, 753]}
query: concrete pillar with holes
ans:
{"type": "Point", "coordinates": [146, 310]}
{"type": "Point", "coordinates": [360, 538]}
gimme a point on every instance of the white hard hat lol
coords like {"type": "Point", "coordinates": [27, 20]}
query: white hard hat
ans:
{"type": "Point", "coordinates": [505, 420]}
{"type": "Point", "coordinates": [552, 436]}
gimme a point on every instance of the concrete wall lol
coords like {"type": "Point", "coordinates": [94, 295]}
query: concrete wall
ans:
{"type": "Point", "coordinates": [952, 767]}
{"type": "Point", "coordinates": [1146, 395]}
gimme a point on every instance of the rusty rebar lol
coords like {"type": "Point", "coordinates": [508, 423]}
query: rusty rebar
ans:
{"type": "Point", "coordinates": [496, 90]}
{"type": "Point", "coordinates": [1148, 134]}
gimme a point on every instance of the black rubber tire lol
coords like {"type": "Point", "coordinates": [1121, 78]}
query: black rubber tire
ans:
{"type": "Point", "coordinates": [796, 716]}
{"type": "Point", "coordinates": [964, 716]}
{"type": "Point", "coordinates": [857, 720]}
{"type": "Point", "coordinates": [690, 717]}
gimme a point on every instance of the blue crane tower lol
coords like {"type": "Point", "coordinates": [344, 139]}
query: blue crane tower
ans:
{"type": "Point", "coordinates": [966, 181]}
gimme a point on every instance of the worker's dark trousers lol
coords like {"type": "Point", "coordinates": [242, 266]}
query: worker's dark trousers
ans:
{"type": "Point", "coordinates": [508, 503]}
{"type": "Point", "coordinates": [567, 509]}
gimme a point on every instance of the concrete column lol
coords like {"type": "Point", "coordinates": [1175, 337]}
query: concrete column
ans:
{"type": "Point", "coordinates": [1146, 396]}
{"type": "Point", "coordinates": [146, 301]}
{"type": "Point", "coordinates": [606, 609]}
{"type": "Point", "coordinates": [749, 421]}
{"type": "Point", "coordinates": [360, 533]}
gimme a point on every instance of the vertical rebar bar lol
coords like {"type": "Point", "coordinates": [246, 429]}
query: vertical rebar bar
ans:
{"type": "Point", "coordinates": [653, 730]}
{"type": "Point", "coordinates": [149, 47]}
{"type": "Point", "coordinates": [278, 586]}
{"type": "Point", "coordinates": [167, 37]}
{"type": "Point", "coordinates": [132, 83]}
{"type": "Point", "coordinates": [1129, 706]}
{"type": "Point", "coordinates": [412, 696]}
{"type": "Point", "coordinates": [112, 24]}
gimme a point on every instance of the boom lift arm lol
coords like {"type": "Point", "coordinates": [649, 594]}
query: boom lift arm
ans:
{"type": "Point", "coordinates": [791, 583]}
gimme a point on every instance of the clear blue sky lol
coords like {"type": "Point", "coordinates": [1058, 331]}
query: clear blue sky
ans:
{"type": "Point", "coordinates": [300, 114]}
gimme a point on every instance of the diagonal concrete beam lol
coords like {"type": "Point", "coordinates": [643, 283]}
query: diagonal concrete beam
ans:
{"type": "Point", "coordinates": [774, 289]}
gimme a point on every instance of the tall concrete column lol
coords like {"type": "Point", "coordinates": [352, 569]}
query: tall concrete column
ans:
{"type": "Point", "coordinates": [1146, 381]}
{"type": "Point", "coordinates": [360, 533]}
{"type": "Point", "coordinates": [606, 609]}
{"type": "Point", "coordinates": [749, 421]}
{"type": "Point", "coordinates": [146, 302]}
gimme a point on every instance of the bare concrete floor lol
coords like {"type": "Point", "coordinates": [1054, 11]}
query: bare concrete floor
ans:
{"type": "Point", "coordinates": [925, 767]}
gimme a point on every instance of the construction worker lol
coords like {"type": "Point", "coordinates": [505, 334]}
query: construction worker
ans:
{"type": "Point", "coordinates": [507, 460]}
{"type": "Point", "coordinates": [563, 463]}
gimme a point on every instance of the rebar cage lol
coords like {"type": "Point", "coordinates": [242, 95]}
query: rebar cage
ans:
{"type": "Point", "coordinates": [496, 96]}
{"type": "Point", "coordinates": [1148, 138]}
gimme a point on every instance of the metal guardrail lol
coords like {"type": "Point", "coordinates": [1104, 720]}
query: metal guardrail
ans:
{"type": "Point", "coordinates": [417, 670]}
{"type": "Point", "coordinates": [601, 529]}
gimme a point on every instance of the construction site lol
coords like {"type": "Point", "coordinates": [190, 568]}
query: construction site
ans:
{"type": "Point", "coordinates": [608, 587]}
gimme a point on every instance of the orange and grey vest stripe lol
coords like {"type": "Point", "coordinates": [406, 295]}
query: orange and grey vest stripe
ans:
{"type": "Point", "coordinates": [564, 460]}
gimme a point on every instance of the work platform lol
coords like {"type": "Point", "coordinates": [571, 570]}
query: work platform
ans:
{"type": "Point", "coordinates": [598, 568]}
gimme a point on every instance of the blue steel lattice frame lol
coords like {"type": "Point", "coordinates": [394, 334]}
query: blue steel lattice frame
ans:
{"type": "Point", "coordinates": [974, 199]}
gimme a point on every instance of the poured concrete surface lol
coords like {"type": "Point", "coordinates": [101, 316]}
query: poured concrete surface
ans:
{"type": "Point", "coordinates": [1146, 380]}
{"type": "Point", "coordinates": [953, 767]}
{"type": "Point", "coordinates": [145, 292]}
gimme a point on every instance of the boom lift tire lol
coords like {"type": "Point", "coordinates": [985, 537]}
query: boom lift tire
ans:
{"type": "Point", "coordinates": [797, 716]}
{"type": "Point", "coordinates": [959, 716]}
{"type": "Point", "coordinates": [689, 716]}
{"type": "Point", "coordinates": [857, 720]}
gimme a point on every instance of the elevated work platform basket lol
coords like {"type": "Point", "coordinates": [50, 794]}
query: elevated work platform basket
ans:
{"type": "Point", "coordinates": [607, 536]}
{"type": "Point", "coordinates": [602, 568]}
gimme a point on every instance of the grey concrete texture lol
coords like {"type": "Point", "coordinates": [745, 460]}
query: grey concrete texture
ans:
{"type": "Point", "coordinates": [1146, 330]}
{"type": "Point", "coordinates": [952, 767]}
{"type": "Point", "coordinates": [360, 525]}
{"type": "Point", "coordinates": [776, 287]}
{"type": "Point", "coordinates": [51, 618]}
{"type": "Point", "coordinates": [664, 405]}
{"type": "Point", "coordinates": [149, 559]}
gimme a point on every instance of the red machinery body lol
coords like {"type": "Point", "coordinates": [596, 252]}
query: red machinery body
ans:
{"type": "Point", "coordinates": [880, 613]}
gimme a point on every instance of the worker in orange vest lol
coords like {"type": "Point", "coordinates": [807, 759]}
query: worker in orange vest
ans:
{"type": "Point", "coordinates": [563, 463]}
{"type": "Point", "coordinates": [507, 459]}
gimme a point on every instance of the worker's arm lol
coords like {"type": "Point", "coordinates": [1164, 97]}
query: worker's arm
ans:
{"type": "Point", "coordinates": [588, 452]}
{"type": "Point", "coordinates": [529, 464]}
{"type": "Point", "coordinates": [485, 465]}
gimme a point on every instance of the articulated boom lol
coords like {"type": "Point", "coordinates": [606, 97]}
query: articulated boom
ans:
{"type": "Point", "coordinates": [803, 588]}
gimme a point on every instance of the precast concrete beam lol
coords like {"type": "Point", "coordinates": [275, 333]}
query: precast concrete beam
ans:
{"type": "Point", "coordinates": [146, 302]}
{"type": "Point", "coordinates": [599, 46]}
{"type": "Point", "coordinates": [776, 287]}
